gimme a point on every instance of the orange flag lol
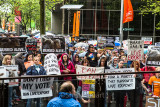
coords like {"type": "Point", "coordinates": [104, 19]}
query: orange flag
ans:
{"type": "Point", "coordinates": [3, 24]}
{"type": "Point", "coordinates": [128, 11]}
{"type": "Point", "coordinates": [13, 27]}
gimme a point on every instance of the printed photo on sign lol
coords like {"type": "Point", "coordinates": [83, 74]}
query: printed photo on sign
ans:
{"type": "Point", "coordinates": [51, 64]}
{"type": "Point", "coordinates": [153, 58]}
{"type": "Point", "coordinates": [16, 44]}
{"type": "Point", "coordinates": [88, 88]}
{"type": "Point", "coordinates": [36, 87]}
{"type": "Point", "coordinates": [53, 44]}
{"type": "Point", "coordinates": [12, 71]}
{"type": "Point", "coordinates": [120, 82]}
{"type": "Point", "coordinates": [88, 70]}
{"type": "Point", "coordinates": [135, 50]}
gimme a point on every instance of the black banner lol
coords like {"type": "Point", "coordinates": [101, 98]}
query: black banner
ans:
{"type": "Point", "coordinates": [9, 44]}
{"type": "Point", "coordinates": [53, 44]}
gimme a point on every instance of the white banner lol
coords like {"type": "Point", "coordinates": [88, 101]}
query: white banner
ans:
{"type": "Point", "coordinates": [12, 71]}
{"type": "Point", "coordinates": [88, 70]}
{"type": "Point", "coordinates": [135, 50]}
{"type": "Point", "coordinates": [36, 87]}
{"type": "Point", "coordinates": [51, 64]}
{"type": "Point", "coordinates": [120, 82]}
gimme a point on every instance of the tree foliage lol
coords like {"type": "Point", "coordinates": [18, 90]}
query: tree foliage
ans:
{"type": "Point", "coordinates": [152, 6]}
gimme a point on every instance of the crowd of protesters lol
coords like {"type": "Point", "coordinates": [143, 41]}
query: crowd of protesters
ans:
{"type": "Point", "coordinates": [32, 64]}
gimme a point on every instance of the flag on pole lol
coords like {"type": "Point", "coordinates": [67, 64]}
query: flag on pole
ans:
{"type": "Point", "coordinates": [128, 11]}
{"type": "Point", "coordinates": [3, 24]}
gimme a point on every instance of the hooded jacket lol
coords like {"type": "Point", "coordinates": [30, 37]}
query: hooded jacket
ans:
{"type": "Point", "coordinates": [112, 66]}
{"type": "Point", "coordinates": [64, 100]}
{"type": "Point", "coordinates": [70, 66]}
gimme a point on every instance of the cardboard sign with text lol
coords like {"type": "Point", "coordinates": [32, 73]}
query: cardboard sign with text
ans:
{"type": "Point", "coordinates": [51, 64]}
{"type": "Point", "coordinates": [88, 70]}
{"type": "Point", "coordinates": [36, 87]}
{"type": "Point", "coordinates": [152, 102]}
{"type": "Point", "coordinates": [120, 82]}
{"type": "Point", "coordinates": [31, 44]}
{"type": "Point", "coordinates": [135, 50]}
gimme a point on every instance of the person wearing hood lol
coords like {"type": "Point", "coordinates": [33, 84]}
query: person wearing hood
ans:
{"type": "Point", "coordinates": [65, 97]}
{"type": "Point", "coordinates": [114, 63]}
{"type": "Point", "coordinates": [76, 60]}
{"type": "Point", "coordinates": [66, 66]}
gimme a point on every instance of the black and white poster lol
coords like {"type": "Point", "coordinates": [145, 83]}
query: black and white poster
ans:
{"type": "Point", "coordinates": [31, 45]}
{"type": "Point", "coordinates": [12, 71]}
{"type": "Point", "coordinates": [36, 87]}
{"type": "Point", "coordinates": [15, 45]}
{"type": "Point", "coordinates": [153, 54]}
{"type": "Point", "coordinates": [120, 82]}
{"type": "Point", "coordinates": [51, 64]}
{"type": "Point", "coordinates": [53, 44]}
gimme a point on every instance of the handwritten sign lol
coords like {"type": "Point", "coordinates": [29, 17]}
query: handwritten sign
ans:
{"type": "Point", "coordinates": [88, 70]}
{"type": "Point", "coordinates": [36, 87]}
{"type": "Point", "coordinates": [152, 102]}
{"type": "Point", "coordinates": [51, 64]}
{"type": "Point", "coordinates": [120, 82]}
{"type": "Point", "coordinates": [88, 88]}
{"type": "Point", "coordinates": [135, 50]}
{"type": "Point", "coordinates": [31, 44]}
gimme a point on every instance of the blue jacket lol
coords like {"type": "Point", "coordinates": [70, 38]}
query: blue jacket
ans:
{"type": "Point", "coordinates": [63, 100]}
{"type": "Point", "coordinates": [32, 71]}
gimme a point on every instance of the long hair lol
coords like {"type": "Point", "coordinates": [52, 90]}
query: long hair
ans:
{"type": "Point", "coordinates": [137, 63]}
{"type": "Point", "coordinates": [6, 57]}
{"type": "Point", "coordinates": [27, 57]}
{"type": "Point", "coordinates": [85, 60]}
{"type": "Point", "coordinates": [105, 64]}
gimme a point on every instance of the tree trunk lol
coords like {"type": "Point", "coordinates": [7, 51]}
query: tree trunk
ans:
{"type": "Point", "coordinates": [42, 17]}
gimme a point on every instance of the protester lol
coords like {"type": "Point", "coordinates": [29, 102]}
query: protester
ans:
{"type": "Point", "coordinates": [65, 97]}
{"type": "Point", "coordinates": [103, 63]}
{"type": "Point", "coordinates": [28, 61]}
{"type": "Point", "coordinates": [114, 62]}
{"type": "Point", "coordinates": [36, 69]}
{"type": "Point", "coordinates": [154, 84]}
{"type": "Point", "coordinates": [134, 95]}
{"type": "Point", "coordinates": [92, 56]}
{"type": "Point", "coordinates": [76, 60]}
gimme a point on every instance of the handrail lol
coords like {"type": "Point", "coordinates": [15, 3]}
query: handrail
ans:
{"type": "Point", "coordinates": [66, 75]}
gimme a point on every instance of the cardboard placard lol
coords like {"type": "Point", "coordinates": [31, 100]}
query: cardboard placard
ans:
{"type": "Point", "coordinates": [36, 87]}
{"type": "Point", "coordinates": [88, 70]}
{"type": "Point", "coordinates": [152, 102]}
{"type": "Point", "coordinates": [135, 50]}
{"type": "Point", "coordinates": [51, 64]}
{"type": "Point", "coordinates": [88, 88]}
{"type": "Point", "coordinates": [120, 82]}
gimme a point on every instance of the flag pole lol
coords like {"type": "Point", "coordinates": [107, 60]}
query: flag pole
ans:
{"type": "Point", "coordinates": [121, 22]}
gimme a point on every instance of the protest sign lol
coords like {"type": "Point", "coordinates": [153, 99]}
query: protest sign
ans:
{"type": "Point", "coordinates": [15, 44]}
{"type": "Point", "coordinates": [36, 87]}
{"type": "Point", "coordinates": [135, 50]}
{"type": "Point", "coordinates": [93, 42]}
{"type": "Point", "coordinates": [152, 102]}
{"type": "Point", "coordinates": [31, 44]}
{"type": "Point", "coordinates": [88, 70]}
{"type": "Point", "coordinates": [51, 64]}
{"type": "Point", "coordinates": [107, 42]}
{"type": "Point", "coordinates": [147, 40]}
{"type": "Point", "coordinates": [3, 72]}
{"type": "Point", "coordinates": [53, 44]}
{"type": "Point", "coordinates": [88, 88]}
{"type": "Point", "coordinates": [153, 58]}
{"type": "Point", "coordinates": [120, 82]}
{"type": "Point", "coordinates": [157, 44]}
{"type": "Point", "coordinates": [12, 71]}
